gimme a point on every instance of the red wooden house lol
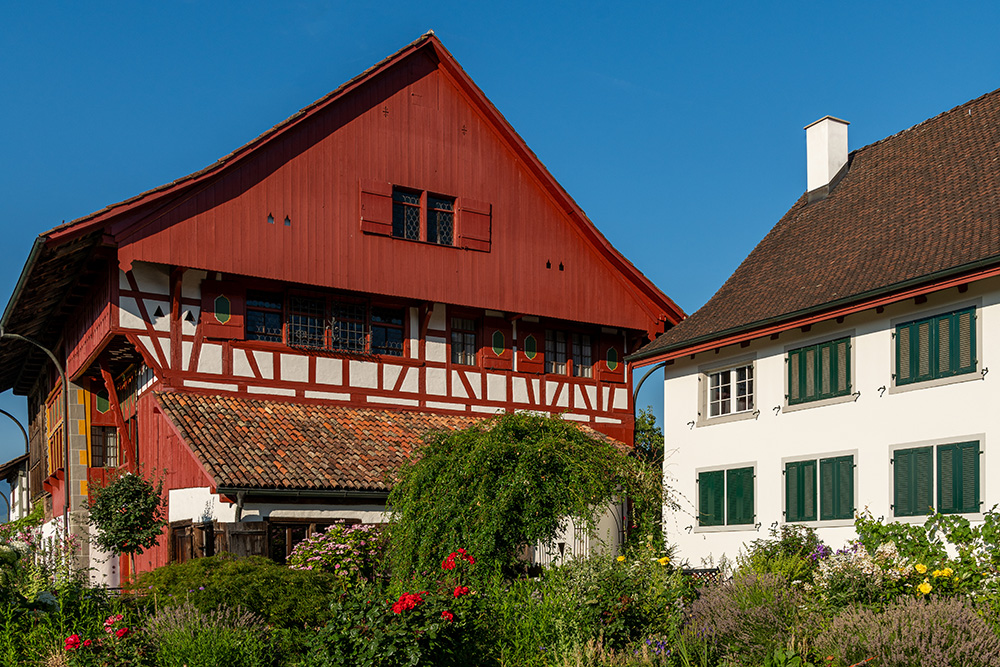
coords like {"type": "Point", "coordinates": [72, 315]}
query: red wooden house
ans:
{"type": "Point", "coordinates": [279, 330]}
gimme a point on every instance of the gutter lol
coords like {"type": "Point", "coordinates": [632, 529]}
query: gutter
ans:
{"type": "Point", "coordinates": [829, 305]}
{"type": "Point", "coordinates": [29, 266]}
{"type": "Point", "coordinates": [299, 493]}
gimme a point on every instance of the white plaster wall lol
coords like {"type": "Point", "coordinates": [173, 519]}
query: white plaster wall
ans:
{"type": "Point", "coordinates": [870, 426]}
{"type": "Point", "coordinates": [198, 504]}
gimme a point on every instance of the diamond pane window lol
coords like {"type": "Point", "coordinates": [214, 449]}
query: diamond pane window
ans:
{"type": "Point", "coordinates": [440, 220]}
{"type": "Point", "coordinates": [406, 214]}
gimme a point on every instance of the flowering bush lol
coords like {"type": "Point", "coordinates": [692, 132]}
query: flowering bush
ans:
{"type": "Point", "coordinates": [427, 627]}
{"type": "Point", "coordinates": [224, 637]}
{"type": "Point", "coordinates": [350, 551]}
{"type": "Point", "coordinates": [913, 633]}
{"type": "Point", "coordinates": [117, 646]}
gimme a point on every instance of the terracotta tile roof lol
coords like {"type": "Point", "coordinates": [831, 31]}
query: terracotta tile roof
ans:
{"type": "Point", "coordinates": [919, 203]}
{"type": "Point", "coordinates": [280, 445]}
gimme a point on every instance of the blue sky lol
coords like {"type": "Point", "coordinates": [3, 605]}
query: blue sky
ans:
{"type": "Point", "coordinates": [676, 126]}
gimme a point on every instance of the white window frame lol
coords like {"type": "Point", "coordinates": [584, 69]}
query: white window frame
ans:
{"type": "Point", "coordinates": [705, 391]}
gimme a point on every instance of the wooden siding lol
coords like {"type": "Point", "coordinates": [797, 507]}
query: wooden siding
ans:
{"type": "Point", "coordinates": [411, 126]}
{"type": "Point", "coordinates": [88, 331]}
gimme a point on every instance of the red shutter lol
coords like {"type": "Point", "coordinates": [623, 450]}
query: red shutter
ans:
{"type": "Point", "coordinates": [611, 359]}
{"type": "Point", "coordinates": [536, 362]}
{"type": "Point", "coordinates": [376, 207]}
{"type": "Point", "coordinates": [497, 334]}
{"type": "Point", "coordinates": [222, 310]}
{"type": "Point", "coordinates": [474, 224]}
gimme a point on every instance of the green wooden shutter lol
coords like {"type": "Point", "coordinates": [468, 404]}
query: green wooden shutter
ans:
{"type": "Point", "coordinates": [958, 478]}
{"type": "Point", "coordinates": [800, 491]}
{"type": "Point", "coordinates": [794, 380]}
{"type": "Point", "coordinates": [711, 498]}
{"type": "Point", "coordinates": [836, 484]}
{"type": "Point", "coordinates": [904, 373]}
{"type": "Point", "coordinates": [739, 496]}
{"type": "Point", "coordinates": [819, 371]}
{"type": "Point", "coordinates": [912, 481]}
{"type": "Point", "coordinates": [936, 347]}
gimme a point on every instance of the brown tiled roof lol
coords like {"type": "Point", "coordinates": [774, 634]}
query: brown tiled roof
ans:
{"type": "Point", "coordinates": [263, 444]}
{"type": "Point", "coordinates": [918, 204]}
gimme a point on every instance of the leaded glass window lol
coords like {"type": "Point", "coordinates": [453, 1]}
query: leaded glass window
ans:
{"type": "Point", "coordinates": [406, 214]}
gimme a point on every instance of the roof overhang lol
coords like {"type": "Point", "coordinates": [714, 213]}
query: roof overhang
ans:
{"type": "Point", "coordinates": [922, 286]}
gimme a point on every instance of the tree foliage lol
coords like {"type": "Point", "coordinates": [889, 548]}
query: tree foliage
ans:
{"type": "Point", "coordinates": [127, 513]}
{"type": "Point", "coordinates": [503, 484]}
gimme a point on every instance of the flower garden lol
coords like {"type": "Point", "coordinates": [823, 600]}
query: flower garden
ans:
{"type": "Point", "coordinates": [902, 595]}
{"type": "Point", "coordinates": [443, 583]}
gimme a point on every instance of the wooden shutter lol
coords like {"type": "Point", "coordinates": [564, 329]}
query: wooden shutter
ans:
{"type": "Point", "coordinates": [711, 498]}
{"type": "Point", "coordinates": [903, 372]}
{"type": "Point", "coordinates": [794, 377]}
{"type": "Point", "coordinates": [475, 224]}
{"type": "Point", "coordinates": [958, 478]}
{"type": "Point", "coordinates": [497, 343]}
{"type": "Point", "coordinates": [222, 308]}
{"type": "Point", "coordinates": [610, 359]}
{"type": "Point", "coordinates": [966, 343]}
{"type": "Point", "coordinates": [912, 481]}
{"type": "Point", "coordinates": [530, 353]}
{"type": "Point", "coordinates": [739, 496]}
{"type": "Point", "coordinates": [800, 491]}
{"type": "Point", "coordinates": [836, 484]}
{"type": "Point", "coordinates": [376, 207]}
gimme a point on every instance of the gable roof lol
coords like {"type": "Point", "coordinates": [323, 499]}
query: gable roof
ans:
{"type": "Point", "coordinates": [40, 302]}
{"type": "Point", "coordinates": [260, 444]}
{"type": "Point", "coordinates": [916, 207]}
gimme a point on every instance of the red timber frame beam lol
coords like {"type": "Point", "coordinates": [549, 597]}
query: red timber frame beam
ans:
{"type": "Point", "coordinates": [808, 320]}
{"type": "Point", "coordinates": [116, 410]}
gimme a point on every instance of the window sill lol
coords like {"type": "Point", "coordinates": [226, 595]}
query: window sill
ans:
{"type": "Point", "coordinates": [940, 382]}
{"type": "Point", "coordinates": [836, 400]}
{"type": "Point", "coordinates": [740, 527]}
{"type": "Point", "coordinates": [828, 523]}
{"type": "Point", "coordinates": [725, 419]}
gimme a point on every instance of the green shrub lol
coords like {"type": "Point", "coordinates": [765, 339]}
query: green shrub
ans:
{"type": "Point", "coordinates": [503, 484]}
{"type": "Point", "coordinates": [791, 551]}
{"type": "Point", "coordinates": [420, 627]}
{"type": "Point", "coordinates": [913, 633]}
{"type": "Point", "coordinates": [283, 597]}
{"type": "Point", "coordinates": [225, 637]}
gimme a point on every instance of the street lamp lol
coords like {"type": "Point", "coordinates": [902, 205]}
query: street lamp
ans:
{"type": "Point", "coordinates": [25, 434]}
{"type": "Point", "coordinates": [65, 420]}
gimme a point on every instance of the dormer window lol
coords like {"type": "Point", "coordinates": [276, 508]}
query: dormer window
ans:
{"type": "Point", "coordinates": [420, 216]}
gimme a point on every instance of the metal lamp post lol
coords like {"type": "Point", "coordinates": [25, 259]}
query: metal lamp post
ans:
{"type": "Point", "coordinates": [65, 419]}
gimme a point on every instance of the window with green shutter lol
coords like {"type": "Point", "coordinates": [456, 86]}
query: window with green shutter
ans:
{"type": "Point", "coordinates": [819, 371]}
{"type": "Point", "coordinates": [936, 347]}
{"type": "Point", "coordinates": [836, 488]}
{"type": "Point", "coordinates": [913, 481]}
{"type": "Point", "coordinates": [800, 491]}
{"type": "Point", "coordinates": [958, 478]}
{"type": "Point", "coordinates": [711, 495]}
{"type": "Point", "coordinates": [739, 496]}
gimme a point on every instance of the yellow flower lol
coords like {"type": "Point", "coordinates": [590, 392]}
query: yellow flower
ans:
{"type": "Point", "coordinates": [920, 567]}
{"type": "Point", "coordinates": [936, 573]}
{"type": "Point", "coordinates": [621, 559]}
{"type": "Point", "coordinates": [664, 560]}
{"type": "Point", "coordinates": [947, 572]}
{"type": "Point", "coordinates": [925, 587]}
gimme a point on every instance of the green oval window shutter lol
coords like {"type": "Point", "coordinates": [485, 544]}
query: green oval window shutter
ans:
{"type": "Point", "coordinates": [612, 358]}
{"type": "Point", "coordinates": [223, 309]}
{"type": "Point", "coordinates": [498, 343]}
{"type": "Point", "coordinates": [530, 347]}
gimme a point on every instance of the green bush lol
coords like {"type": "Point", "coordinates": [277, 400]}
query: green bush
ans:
{"type": "Point", "coordinates": [503, 484]}
{"type": "Point", "coordinates": [225, 637]}
{"type": "Point", "coordinates": [790, 551]}
{"type": "Point", "coordinates": [913, 633]}
{"type": "Point", "coordinates": [351, 552]}
{"type": "Point", "coordinates": [283, 597]}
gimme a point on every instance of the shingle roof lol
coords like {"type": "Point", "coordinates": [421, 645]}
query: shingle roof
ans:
{"type": "Point", "coordinates": [916, 204]}
{"type": "Point", "coordinates": [265, 444]}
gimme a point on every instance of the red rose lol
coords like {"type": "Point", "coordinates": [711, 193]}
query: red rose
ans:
{"type": "Point", "coordinates": [449, 562]}
{"type": "Point", "coordinates": [448, 616]}
{"type": "Point", "coordinates": [470, 559]}
{"type": "Point", "coordinates": [121, 632]}
{"type": "Point", "coordinates": [87, 642]}
{"type": "Point", "coordinates": [72, 642]}
{"type": "Point", "coordinates": [461, 590]}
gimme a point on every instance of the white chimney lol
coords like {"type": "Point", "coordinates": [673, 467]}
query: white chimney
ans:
{"type": "Point", "coordinates": [826, 151]}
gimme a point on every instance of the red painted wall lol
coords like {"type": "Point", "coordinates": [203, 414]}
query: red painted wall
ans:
{"type": "Point", "coordinates": [409, 126]}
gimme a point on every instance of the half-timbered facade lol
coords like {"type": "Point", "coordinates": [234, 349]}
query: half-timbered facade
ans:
{"type": "Point", "coordinates": [277, 331]}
